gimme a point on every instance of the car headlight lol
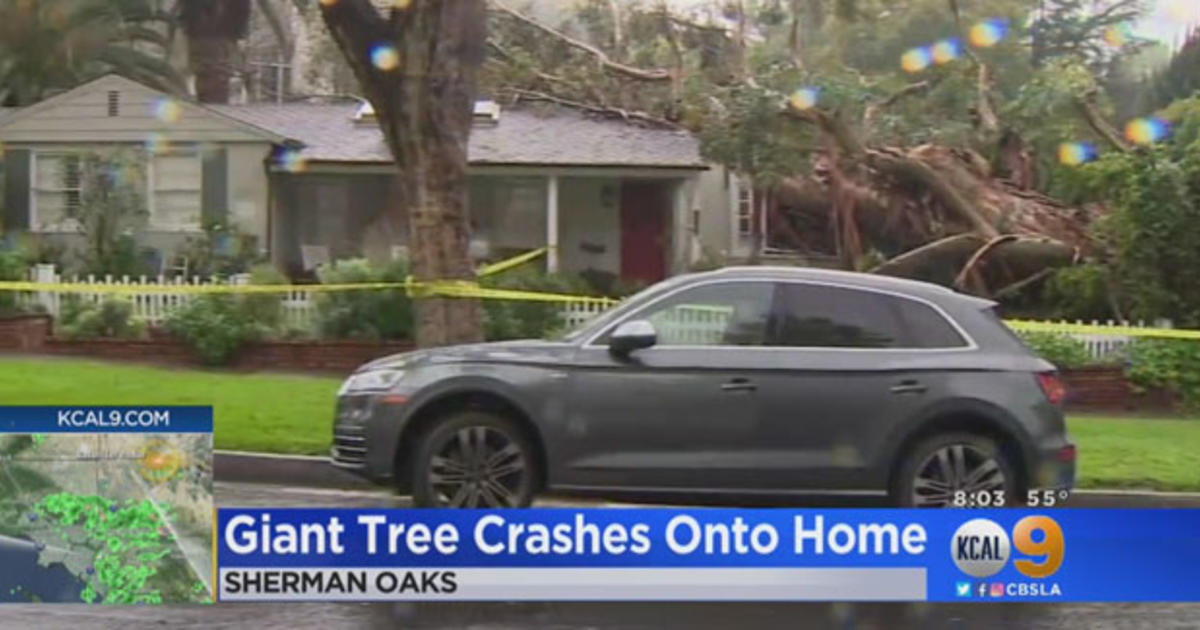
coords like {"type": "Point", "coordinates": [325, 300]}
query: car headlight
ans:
{"type": "Point", "coordinates": [371, 381]}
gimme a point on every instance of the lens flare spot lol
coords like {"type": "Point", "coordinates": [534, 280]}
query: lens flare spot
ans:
{"type": "Point", "coordinates": [157, 143]}
{"type": "Point", "coordinates": [988, 33]}
{"type": "Point", "coordinates": [328, 3]}
{"type": "Point", "coordinates": [1146, 130]}
{"type": "Point", "coordinates": [1076, 153]}
{"type": "Point", "coordinates": [401, 4]}
{"type": "Point", "coordinates": [916, 59]}
{"type": "Point", "coordinates": [291, 161]}
{"type": "Point", "coordinates": [385, 57]}
{"type": "Point", "coordinates": [947, 50]}
{"type": "Point", "coordinates": [167, 110]}
{"type": "Point", "coordinates": [1117, 35]}
{"type": "Point", "coordinates": [805, 98]}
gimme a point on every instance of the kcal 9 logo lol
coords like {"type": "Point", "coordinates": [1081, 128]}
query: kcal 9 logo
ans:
{"type": "Point", "coordinates": [980, 547]}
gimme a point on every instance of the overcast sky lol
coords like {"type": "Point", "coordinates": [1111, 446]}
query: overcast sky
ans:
{"type": "Point", "coordinates": [1169, 20]}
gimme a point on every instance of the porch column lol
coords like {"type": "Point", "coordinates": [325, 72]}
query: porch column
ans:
{"type": "Point", "coordinates": [552, 224]}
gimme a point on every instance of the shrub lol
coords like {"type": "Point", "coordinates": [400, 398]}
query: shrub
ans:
{"type": "Point", "coordinates": [214, 326]}
{"type": "Point", "coordinates": [12, 267]}
{"type": "Point", "coordinates": [264, 308]}
{"type": "Point", "coordinates": [1168, 363]}
{"type": "Point", "coordinates": [1063, 351]}
{"type": "Point", "coordinates": [112, 318]}
{"type": "Point", "coordinates": [367, 314]}
{"type": "Point", "coordinates": [521, 319]}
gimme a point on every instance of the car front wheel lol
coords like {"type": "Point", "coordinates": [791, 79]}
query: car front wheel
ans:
{"type": "Point", "coordinates": [474, 459]}
{"type": "Point", "coordinates": [955, 470]}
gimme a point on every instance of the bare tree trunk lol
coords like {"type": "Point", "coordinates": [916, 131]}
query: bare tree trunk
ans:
{"type": "Point", "coordinates": [418, 69]}
{"type": "Point", "coordinates": [211, 60]}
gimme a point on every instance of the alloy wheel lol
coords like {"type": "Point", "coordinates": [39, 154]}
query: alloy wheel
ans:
{"type": "Point", "coordinates": [478, 466]}
{"type": "Point", "coordinates": [956, 468]}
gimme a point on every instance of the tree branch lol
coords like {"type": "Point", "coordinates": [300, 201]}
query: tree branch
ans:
{"type": "Point", "coordinates": [656, 74]}
{"type": "Point", "coordinates": [612, 112]}
{"type": "Point", "coordinates": [1091, 114]}
{"type": "Point", "coordinates": [911, 89]}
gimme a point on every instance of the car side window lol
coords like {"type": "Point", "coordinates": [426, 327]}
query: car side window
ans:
{"type": "Point", "coordinates": [719, 314]}
{"type": "Point", "coordinates": [819, 316]}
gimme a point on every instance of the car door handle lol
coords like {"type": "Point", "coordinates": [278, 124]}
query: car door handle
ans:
{"type": "Point", "coordinates": [909, 387]}
{"type": "Point", "coordinates": [739, 385]}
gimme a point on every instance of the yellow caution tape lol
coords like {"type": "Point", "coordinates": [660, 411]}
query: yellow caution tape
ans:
{"type": "Point", "coordinates": [1094, 329]}
{"type": "Point", "coordinates": [441, 288]}
{"type": "Point", "coordinates": [515, 261]}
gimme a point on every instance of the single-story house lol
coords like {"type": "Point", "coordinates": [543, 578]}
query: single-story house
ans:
{"type": "Point", "coordinates": [605, 195]}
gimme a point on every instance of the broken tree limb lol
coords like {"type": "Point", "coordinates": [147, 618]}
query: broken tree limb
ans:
{"type": "Point", "coordinates": [611, 112]}
{"type": "Point", "coordinates": [641, 74]}
{"type": "Point", "coordinates": [911, 89]}
{"type": "Point", "coordinates": [915, 170]}
{"type": "Point", "coordinates": [1091, 114]}
{"type": "Point", "coordinates": [907, 264]}
{"type": "Point", "coordinates": [979, 255]}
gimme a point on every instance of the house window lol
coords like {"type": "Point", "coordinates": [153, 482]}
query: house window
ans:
{"type": "Point", "coordinates": [57, 188]}
{"type": "Point", "coordinates": [745, 209]}
{"type": "Point", "coordinates": [175, 184]}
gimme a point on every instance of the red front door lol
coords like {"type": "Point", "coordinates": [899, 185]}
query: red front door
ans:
{"type": "Point", "coordinates": [644, 239]}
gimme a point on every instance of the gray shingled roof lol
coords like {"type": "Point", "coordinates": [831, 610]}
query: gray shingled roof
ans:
{"type": "Point", "coordinates": [525, 137]}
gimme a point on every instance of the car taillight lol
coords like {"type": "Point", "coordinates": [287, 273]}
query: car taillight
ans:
{"type": "Point", "coordinates": [1052, 386]}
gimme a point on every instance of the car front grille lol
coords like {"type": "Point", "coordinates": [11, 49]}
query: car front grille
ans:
{"type": "Point", "coordinates": [349, 446]}
{"type": "Point", "coordinates": [349, 443]}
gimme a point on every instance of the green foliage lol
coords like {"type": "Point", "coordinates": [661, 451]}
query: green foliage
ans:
{"type": "Point", "coordinates": [1170, 363]}
{"type": "Point", "coordinates": [12, 267]}
{"type": "Point", "coordinates": [1179, 79]}
{"type": "Point", "coordinates": [111, 319]}
{"type": "Point", "coordinates": [266, 309]}
{"type": "Point", "coordinates": [1078, 292]}
{"type": "Point", "coordinates": [49, 45]}
{"type": "Point", "coordinates": [520, 319]}
{"type": "Point", "coordinates": [367, 314]}
{"type": "Point", "coordinates": [112, 208]}
{"type": "Point", "coordinates": [1076, 29]}
{"type": "Point", "coordinates": [221, 250]}
{"type": "Point", "coordinates": [1154, 231]}
{"type": "Point", "coordinates": [1063, 351]}
{"type": "Point", "coordinates": [215, 326]}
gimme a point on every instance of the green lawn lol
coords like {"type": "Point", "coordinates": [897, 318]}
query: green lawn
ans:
{"type": "Point", "coordinates": [1137, 452]}
{"type": "Point", "coordinates": [292, 414]}
{"type": "Point", "coordinates": [252, 412]}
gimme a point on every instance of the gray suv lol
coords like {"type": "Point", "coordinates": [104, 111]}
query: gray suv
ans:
{"type": "Point", "coordinates": [742, 382]}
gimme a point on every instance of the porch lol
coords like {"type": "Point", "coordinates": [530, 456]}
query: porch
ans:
{"type": "Point", "coordinates": [608, 226]}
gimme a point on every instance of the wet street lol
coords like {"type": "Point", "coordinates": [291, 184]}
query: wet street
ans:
{"type": "Point", "coordinates": [592, 615]}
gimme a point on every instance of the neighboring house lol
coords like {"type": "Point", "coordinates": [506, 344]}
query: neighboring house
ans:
{"type": "Point", "coordinates": [605, 195]}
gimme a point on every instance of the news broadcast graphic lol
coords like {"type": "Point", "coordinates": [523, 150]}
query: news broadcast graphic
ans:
{"type": "Point", "coordinates": [106, 504]}
{"type": "Point", "coordinates": [988, 555]}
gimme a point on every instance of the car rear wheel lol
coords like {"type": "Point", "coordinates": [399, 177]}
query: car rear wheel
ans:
{"type": "Point", "coordinates": [955, 470]}
{"type": "Point", "coordinates": [474, 459]}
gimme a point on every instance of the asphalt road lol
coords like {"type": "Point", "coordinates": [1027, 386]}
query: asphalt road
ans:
{"type": "Point", "coordinates": [600, 615]}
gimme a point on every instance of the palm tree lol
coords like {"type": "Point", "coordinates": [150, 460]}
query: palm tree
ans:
{"type": "Point", "coordinates": [51, 45]}
{"type": "Point", "coordinates": [213, 28]}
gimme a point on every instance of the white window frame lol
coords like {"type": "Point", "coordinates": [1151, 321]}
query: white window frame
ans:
{"type": "Point", "coordinates": [743, 210]}
{"type": "Point", "coordinates": [152, 222]}
{"type": "Point", "coordinates": [68, 226]}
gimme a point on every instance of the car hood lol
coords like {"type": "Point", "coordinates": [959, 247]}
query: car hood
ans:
{"type": "Point", "coordinates": [519, 351]}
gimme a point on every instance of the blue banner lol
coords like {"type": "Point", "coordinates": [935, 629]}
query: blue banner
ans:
{"type": "Point", "coordinates": [872, 554]}
{"type": "Point", "coordinates": [90, 419]}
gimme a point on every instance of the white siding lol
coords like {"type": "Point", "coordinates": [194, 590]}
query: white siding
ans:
{"type": "Point", "coordinates": [142, 114]}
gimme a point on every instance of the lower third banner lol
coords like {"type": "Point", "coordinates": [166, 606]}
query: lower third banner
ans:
{"type": "Point", "coordinates": [708, 555]}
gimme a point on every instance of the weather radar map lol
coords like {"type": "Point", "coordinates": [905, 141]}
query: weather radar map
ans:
{"type": "Point", "coordinates": [114, 518]}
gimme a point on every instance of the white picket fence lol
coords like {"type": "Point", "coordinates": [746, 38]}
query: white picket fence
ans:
{"type": "Point", "coordinates": [150, 303]}
{"type": "Point", "coordinates": [685, 324]}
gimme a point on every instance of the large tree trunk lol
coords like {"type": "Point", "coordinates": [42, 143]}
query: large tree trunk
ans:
{"type": "Point", "coordinates": [213, 28]}
{"type": "Point", "coordinates": [211, 61]}
{"type": "Point", "coordinates": [424, 104]}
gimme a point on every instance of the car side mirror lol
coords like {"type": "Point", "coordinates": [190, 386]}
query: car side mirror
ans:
{"type": "Point", "coordinates": [632, 335]}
